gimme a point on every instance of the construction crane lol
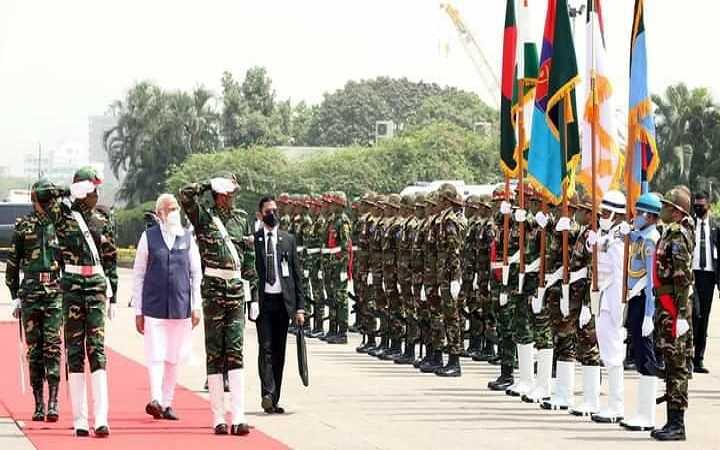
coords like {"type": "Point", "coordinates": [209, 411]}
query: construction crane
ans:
{"type": "Point", "coordinates": [472, 48]}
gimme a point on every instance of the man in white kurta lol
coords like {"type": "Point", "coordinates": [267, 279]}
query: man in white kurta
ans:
{"type": "Point", "coordinates": [610, 332]}
{"type": "Point", "coordinates": [167, 274]}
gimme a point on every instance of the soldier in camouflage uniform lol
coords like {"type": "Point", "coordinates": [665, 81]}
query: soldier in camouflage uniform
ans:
{"type": "Point", "coordinates": [86, 237]}
{"type": "Point", "coordinates": [284, 211]}
{"type": "Point", "coordinates": [420, 310]}
{"type": "Point", "coordinates": [501, 291]}
{"type": "Point", "coordinates": [470, 288]}
{"type": "Point", "coordinates": [672, 280]}
{"type": "Point", "coordinates": [356, 210]}
{"type": "Point", "coordinates": [313, 249]}
{"type": "Point", "coordinates": [453, 227]}
{"type": "Point", "coordinates": [37, 299]}
{"type": "Point", "coordinates": [228, 256]}
{"type": "Point", "coordinates": [301, 227]}
{"type": "Point", "coordinates": [390, 250]}
{"type": "Point", "coordinates": [405, 277]}
{"type": "Point", "coordinates": [485, 236]}
{"type": "Point", "coordinates": [436, 333]}
{"type": "Point", "coordinates": [339, 251]}
{"type": "Point", "coordinates": [366, 319]}
{"type": "Point", "coordinates": [375, 278]}
{"type": "Point", "coordinates": [327, 264]}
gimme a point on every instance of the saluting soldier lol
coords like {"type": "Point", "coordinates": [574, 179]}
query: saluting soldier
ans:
{"type": "Point", "coordinates": [37, 298]}
{"type": "Point", "coordinates": [86, 237]}
{"type": "Point", "coordinates": [228, 258]}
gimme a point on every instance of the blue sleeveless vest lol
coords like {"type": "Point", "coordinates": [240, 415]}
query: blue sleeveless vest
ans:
{"type": "Point", "coordinates": [167, 287]}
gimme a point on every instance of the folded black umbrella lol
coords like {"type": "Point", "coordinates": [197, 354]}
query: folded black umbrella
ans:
{"type": "Point", "coordinates": [302, 357]}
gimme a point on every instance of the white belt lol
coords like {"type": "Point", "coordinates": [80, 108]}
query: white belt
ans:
{"type": "Point", "coordinates": [331, 251]}
{"type": "Point", "coordinates": [86, 271]}
{"type": "Point", "coordinates": [225, 274]}
{"type": "Point", "coordinates": [637, 289]}
{"type": "Point", "coordinates": [578, 275]}
{"type": "Point", "coordinates": [300, 248]}
{"type": "Point", "coordinates": [313, 251]}
{"type": "Point", "coordinates": [533, 266]}
{"type": "Point", "coordinates": [514, 259]}
{"type": "Point", "coordinates": [552, 278]}
{"type": "Point", "coordinates": [355, 248]}
{"type": "Point", "coordinates": [496, 265]}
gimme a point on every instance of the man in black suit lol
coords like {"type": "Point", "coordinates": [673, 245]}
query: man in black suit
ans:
{"type": "Point", "coordinates": [280, 297]}
{"type": "Point", "coordinates": [706, 271]}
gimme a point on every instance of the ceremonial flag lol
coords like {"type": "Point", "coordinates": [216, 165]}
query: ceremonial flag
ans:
{"type": "Point", "coordinates": [642, 159]}
{"type": "Point", "coordinates": [508, 142]}
{"type": "Point", "coordinates": [599, 111]}
{"type": "Point", "coordinates": [555, 143]}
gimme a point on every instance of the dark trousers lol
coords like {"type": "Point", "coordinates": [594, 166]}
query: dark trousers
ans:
{"type": "Point", "coordinates": [643, 348]}
{"type": "Point", "coordinates": [272, 328]}
{"type": "Point", "coordinates": [704, 290]}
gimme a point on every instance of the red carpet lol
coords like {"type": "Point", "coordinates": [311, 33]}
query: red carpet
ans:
{"type": "Point", "coordinates": [130, 427]}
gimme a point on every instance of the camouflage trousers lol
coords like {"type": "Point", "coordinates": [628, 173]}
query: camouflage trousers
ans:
{"type": "Point", "coordinates": [308, 299]}
{"type": "Point", "coordinates": [361, 307]}
{"type": "Point", "coordinates": [435, 313]}
{"type": "Point", "coordinates": [318, 295]}
{"type": "Point", "coordinates": [42, 319]}
{"type": "Point", "coordinates": [422, 312]}
{"type": "Point", "coordinates": [84, 314]}
{"type": "Point", "coordinates": [452, 320]}
{"type": "Point", "coordinates": [674, 350]}
{"type": "Point", "coordinates": [337, 283]}
{"type": "Point", "coordinates": [564, 328]}
{"type": "Point", "coordinates": [396, 318]}
{"type": "Point", "coordinates": [409, 307]}
{"type": "Point", "coordinates": [522, 319]}
{"type": "Point", "coordinates": [488, 314]}
{"type": "Point", "coordinates": [541, 328]}
{"type": "Point", "coordinates": [505, 315]}
{"type": "Point", "coordinates": [379, 304]}
{"type": "Point", "coordinates": [224, 322]}
{"type": "Point", "coordinates": [471, 300]}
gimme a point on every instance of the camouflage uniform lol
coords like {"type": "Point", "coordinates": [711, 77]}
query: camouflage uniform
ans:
{"type": "Point", "coordinates": [406, 278]}
{"type": "Point", "coordinates": [314, 246]}
{"type": "Point", "coordinates": [584, 348]}
{"type": "Point", "coordinates": [390, 248]}
{"type": "Point", "coordinates": [431, 307]}
{"type": "Point", "coordinates": [487, 232]}
{"type": "Point", "coordinates": [339, 245]}
{"type": "Point", "coordinates": [673, 279]}
{"type": "Point", "coordinates": [365, 318]}
{"type": "Point", "coordinates": [470, 277]}
{"type": "Point", "coordinates": [34, 252]}
{"type": "Point", "coordinates": [326, 265]}
{"type": "Point", "coordinates": [223, 297]}
{"type": "Point", "coordinates": [302, 224]}
{"type": "Point", "coordinates": [376, 230]}
{"type": "Point", "coordinates": [421, 311]}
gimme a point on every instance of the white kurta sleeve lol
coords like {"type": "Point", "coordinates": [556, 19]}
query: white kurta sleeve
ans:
{"type": "Point", "coordinates": [139, 268]}
{"type": "Point", "coordinates": [195, 276]}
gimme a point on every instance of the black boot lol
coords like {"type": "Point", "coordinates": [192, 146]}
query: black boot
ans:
{"type": "Point", "coordinates": [409, 356]}
{"type": "Point", "coordinates": [52, 409]}
{"type": "Point", "coordinates": [339, 338]}
{"type": "Point", "coordinates": [394, 352]}
{"type": "Point", "coordinates": [667, 423]}
{"type": "Point", "coordinates": [434, 362]}
{"type": "Point", "coordinates": [317, 331]}
{"type": "Point", "coordinates": [39, 414]}
{"type": "Point", "coordinates": [368, 345]}
{"type": "Point", "coordinates": [380, 349]}
{"type": "Point", "coordinates": [504, 381]}
{"type": "Point", "coordinates": [474, 347]}
{"type": "Point", "coordinates": [487, 353]}
{"type": "Point", "coordinates": [451, 369]}
{"type": "Point", "coordinates": [675, 428]}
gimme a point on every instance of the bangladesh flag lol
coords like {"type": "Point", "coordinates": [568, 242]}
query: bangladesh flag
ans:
{"type": "Point", "coordinates": [508, 142]}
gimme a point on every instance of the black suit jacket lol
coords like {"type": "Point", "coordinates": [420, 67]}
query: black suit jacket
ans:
{"type": "Point", "coordinates": [286, 249]}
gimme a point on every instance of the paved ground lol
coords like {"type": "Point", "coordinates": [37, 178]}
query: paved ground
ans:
{"type": "Point", "coordinates": [358, 402]}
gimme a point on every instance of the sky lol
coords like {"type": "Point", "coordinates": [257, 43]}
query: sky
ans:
{"type": "Point", "coordinates": [62, 61]}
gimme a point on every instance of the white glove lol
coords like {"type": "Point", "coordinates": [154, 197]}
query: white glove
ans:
{"type": "Point", "coordinates": [254, 311]}
{"type": "Point", "coordinates": [222, 185]}
{"type": "Point", "coordinates": [306, 274]}
{"type": "Point", "coordinates": [625, 228]}
{"type": "Point", "coordinates": [592, 238]}
{"type": "Point", "coordinates": [369, 279]}
{"type": "Point", "coordinates": [520, 215]}
{"type": "Point", "coordinates": [455, 289]}
{"type": "Point", "coordinates": [15, 307]}
{"type": "Point", "coordinates": [647, 326]}
{"type": "Point", "coordinates": [541, 219]}
{"type": "Point", "coordinates": [439, 292]}
{"type": "Point", "coordinates": [383, 286]}
{"type": "Point", "coordinates": [350, 287]}
{"type": "Point", "coordinates": [475, 285]}
{"type": "Point", "coordinates": [399, 289]}
{"type": "Point", "coordinates": [585, 316]}
{"type": "Point", "coordinates": [112, 311]}
{"type": "Point", "coordinates": [503, 299]}
{"type": "Point", "coordinates": [343, 276]}
{"type": "Point", "coordinates": [563, 224]}
{"type": "Point", "coordinates": [536, 305]}
{"type": "Point", "coordinates": [682, 327]}
{"type": "Point", "coordinates": [81, 189]}
{"type": "Point", "coordinates": [505, 208]}
{"type": "Point", "coordinates": [320, 275]}
{"type": "Point", "coordinates": [564, 306]}
{"type": "Point", "coordinates": [423, 297]}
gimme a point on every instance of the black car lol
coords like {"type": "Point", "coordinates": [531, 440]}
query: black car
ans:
{"type": "Point", "coordinates": [9, 212]}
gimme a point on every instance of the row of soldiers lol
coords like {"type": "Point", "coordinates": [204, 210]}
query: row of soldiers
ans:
{"type": "Point", "coordinates": [421, 267]}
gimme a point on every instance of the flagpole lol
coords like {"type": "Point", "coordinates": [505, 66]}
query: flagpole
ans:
{"type": "Point", "coordinates": [506, 225]}
{"type": "Point", "coordinates": [565, 213]}
{"type": "Point", "coordinates": [593, 164]}
{"type": "Point", "coordinates": [521, 169]}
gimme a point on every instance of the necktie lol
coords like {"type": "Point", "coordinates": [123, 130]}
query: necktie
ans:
{"type": "Point", "coordinates": [270, 261]}
{"type": "Point", "coordinates": [703, 256]}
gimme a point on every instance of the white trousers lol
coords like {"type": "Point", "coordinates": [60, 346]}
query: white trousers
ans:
{"type": "Point", "coordinates": [167, 343]}
{"type": "Point", "coordinates": [610, 339]}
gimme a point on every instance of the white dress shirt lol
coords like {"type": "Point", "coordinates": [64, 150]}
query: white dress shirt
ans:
{"type": "Point", "coordinates": [275, 288]}
{"type": "Point", "coordinates": [705, 223]}
{"type": "Point", "coordinates": [140, 266]}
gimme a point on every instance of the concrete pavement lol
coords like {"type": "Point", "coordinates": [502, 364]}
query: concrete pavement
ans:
{"type": "Point", "coordinates": [358, 402]}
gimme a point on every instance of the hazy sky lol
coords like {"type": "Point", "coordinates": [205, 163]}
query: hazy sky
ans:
{"type": "Point", "coordinates": [61, 61]}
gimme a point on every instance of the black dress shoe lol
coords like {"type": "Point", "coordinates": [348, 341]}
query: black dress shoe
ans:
{"type": "Point", "coordinates": [102, 432]}
{"type": "Point", "coordinates": [337, 339]}
{"type": "Point", "coordinates": [154, 409]}
{"type": "Point", "coordinates": [699, 368]}
{"type": "Point", "coordinates": [267, 404]}
{"type": "Point", "coordinates": [278, 410]}
{"type": "Point", "coordinates": [82, 433]}
{"type": "Point", "coordinates": [221, 428]}
{"type": "Point", "coordinates": [169, 414]}
{"type": "Point", "coordinates": [240, 429]}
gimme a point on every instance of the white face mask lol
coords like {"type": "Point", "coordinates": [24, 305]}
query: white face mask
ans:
{"type": "Point", "coordinates": [606, 224]}
{"type": "Point", "coordinates": [173, 220]}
